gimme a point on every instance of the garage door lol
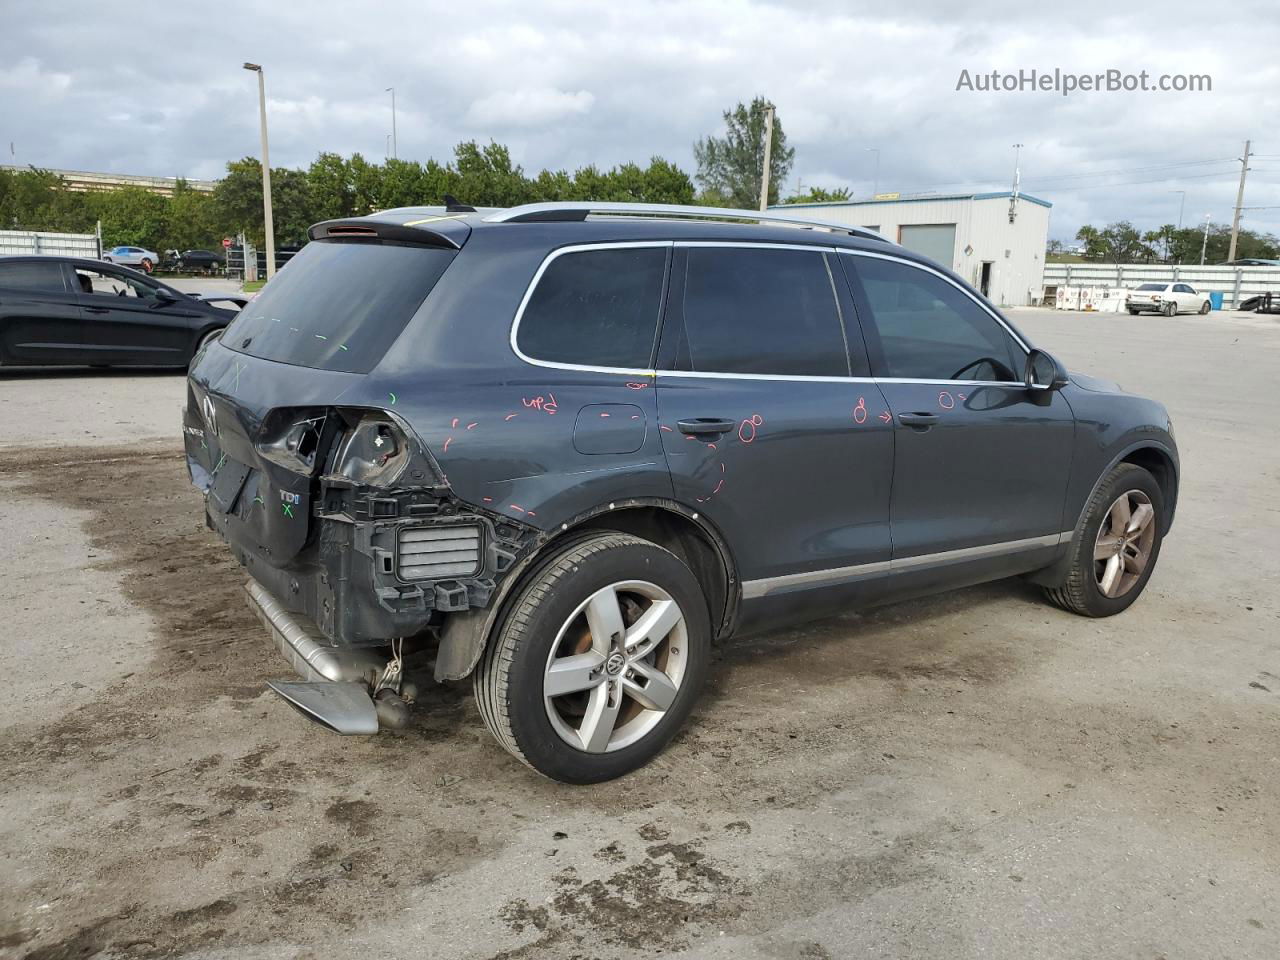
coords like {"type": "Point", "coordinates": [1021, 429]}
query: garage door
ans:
{"type": "Point", "coordinates": [937, 241]}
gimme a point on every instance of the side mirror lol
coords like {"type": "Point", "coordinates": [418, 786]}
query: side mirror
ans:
{"type": "Point", "coordinates": [1043, 372]}
{"type": "Point", "coordinates": [165, 295]}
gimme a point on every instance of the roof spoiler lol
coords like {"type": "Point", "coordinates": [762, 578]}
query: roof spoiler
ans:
{"type": "Point", "coordinates": [429, 230]}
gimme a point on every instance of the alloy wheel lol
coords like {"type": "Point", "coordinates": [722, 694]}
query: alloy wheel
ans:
{"type": "Point", "coordinates": [616, 666]}
{"type": "Point", "coordinates": [1122, 549]}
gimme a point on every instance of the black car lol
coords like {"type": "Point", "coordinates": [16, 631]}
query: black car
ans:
{"type": "Point", "coordinates": [64, 310]}
{"type": "Point", "coordinates": [561, 449]}
{"type": "Point", "coordinates": [193, 260]}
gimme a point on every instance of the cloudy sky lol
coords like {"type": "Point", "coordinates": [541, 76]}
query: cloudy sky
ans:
{"type": "Point", "coordinates": [160, 90]}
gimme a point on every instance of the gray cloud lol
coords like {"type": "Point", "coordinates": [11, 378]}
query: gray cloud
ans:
{"type": "Point", "coordinates": [568, 83]}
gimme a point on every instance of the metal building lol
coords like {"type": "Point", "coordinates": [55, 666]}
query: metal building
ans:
{"type": "Point", "coordinates": [995, 242]}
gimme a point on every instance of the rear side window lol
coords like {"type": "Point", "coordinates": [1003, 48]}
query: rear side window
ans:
{"type": "Point", "coordinates": [34, 277]}
{"type": "Point", "coordinates": [596, 308]}
{"type": "Point", "coordinates": [338, 306]}
{"type": "Point", "coordinates": [761, 311]}
{"type": "Point", "coordinates": [930, 329]}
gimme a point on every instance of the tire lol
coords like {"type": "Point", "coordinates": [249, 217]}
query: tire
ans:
{"type": "Point", "coordinates": [1205, 308]}
{"type": "Point", "coordinates": [1133, 312]}
{"type": "Point", "coordinates": [547, 623]}
{"type": "Point", "coordinates": [207, 339]}
{"type": "Point", "coordinates": [1082, 591]}
{"type": "Point", "coordinates": [1170, 309]}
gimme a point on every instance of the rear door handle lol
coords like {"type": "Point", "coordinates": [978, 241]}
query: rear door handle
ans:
{"type": "Point", "coordinates": [97, 310]}
{"type": "Point", "coordinates": [705, 426]}
{"type": "Point", "coordinates": [917, 419]}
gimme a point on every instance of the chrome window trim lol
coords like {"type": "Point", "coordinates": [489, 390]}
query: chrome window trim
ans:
{"type": "Point", "coordinates": [533, 285]}
{"type": "Point", "coordinates": [753, 589]}
{"type": "Point", "coordinates": [709, 375]}
{"type": "Point", "coordinates": [1026, 347]}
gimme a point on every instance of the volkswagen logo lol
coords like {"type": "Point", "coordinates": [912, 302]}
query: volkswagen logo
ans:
{"type": "Point", "coordinates": [615, 664]}
{"type": "Point", "coordinates": [210, 414]}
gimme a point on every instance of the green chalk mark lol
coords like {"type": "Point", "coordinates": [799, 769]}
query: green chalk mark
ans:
{"type": "Point", "coordinates": [288, 509]}
{"type": "Point", "coordinates": [393, 398]}
{"type": "Point", "coordinates": [318, 337]}
{"type": "Point", "coordinates": [342, 346]}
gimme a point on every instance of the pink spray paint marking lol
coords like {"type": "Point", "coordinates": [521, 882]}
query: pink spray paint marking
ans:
{"type": "Point", "coordinates": [747, 429]}
{"type": "Point", "coordinates": [510, 415]}
{"type": "Point", "coordinates": [886, 416]}
{"type": "Point", "coordinates": [946, 401]}
{"type": "Point", "coordinates": [860, 411]}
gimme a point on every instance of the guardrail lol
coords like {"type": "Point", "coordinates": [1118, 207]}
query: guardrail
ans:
{"type": "Point", "coordinates": [1234, 283]}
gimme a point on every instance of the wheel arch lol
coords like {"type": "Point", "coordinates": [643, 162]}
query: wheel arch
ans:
{"type": "Point", "coordinates": [671, 525]}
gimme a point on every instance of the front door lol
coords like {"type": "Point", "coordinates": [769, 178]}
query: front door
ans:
{"type": "Point", "coordinates": [126, 322]}
{"type": "Point", "coordinates": [981, 463]}
{"type": "Point", "coordinates": [771, 428]}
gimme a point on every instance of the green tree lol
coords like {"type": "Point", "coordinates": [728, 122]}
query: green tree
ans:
{"type": "Point", "coordinates": [332, 192]}
{"type": "Point", "coordinates": [130, 215]}
{"type": "Point", "coordinates": [819, 195]}
{"type": "Point", "coordinates": [730, 167]}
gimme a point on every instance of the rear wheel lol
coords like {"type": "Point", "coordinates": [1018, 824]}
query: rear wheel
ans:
{"type": "Point", "coordinates": [599, 660]}
{"type": "Point", "coordinates": [1133, 312]}
{"type": "Point", "coordinates": [1115, 548]}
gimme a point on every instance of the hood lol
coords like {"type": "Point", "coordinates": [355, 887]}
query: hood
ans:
{"type": "Point", "coordinates": [1095, 384]}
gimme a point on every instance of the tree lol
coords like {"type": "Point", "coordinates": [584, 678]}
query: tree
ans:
{"type": "Point", "coordinates": [819, 195]}
{"type": "Point", "coordinates": [730, 167]}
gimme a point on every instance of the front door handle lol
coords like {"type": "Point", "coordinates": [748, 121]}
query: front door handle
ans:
{"type": "Point", "coordinates": [705, 426]}
{"type": "Point", "coordinates": [917, 419]}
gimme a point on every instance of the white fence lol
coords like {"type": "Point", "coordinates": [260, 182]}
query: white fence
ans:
{"type": "Point", "coordinates": [1234, 283]}
{"type": "Point", "coordinates": [28, 242]}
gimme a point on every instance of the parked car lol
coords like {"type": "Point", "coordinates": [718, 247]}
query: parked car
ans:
{"type": "Point", "coordinates": [144, 260]}
{"type": "Point", "coordinates": [560, 449]}
{"type": "Point", "coordinates": [206, 260]}
{"type": "Point", "coordinates": [1167, 299]}
{"type": "Point", "coordinates": [1252, 262]}
{"type": "Point", "coordinates": [64, 310]}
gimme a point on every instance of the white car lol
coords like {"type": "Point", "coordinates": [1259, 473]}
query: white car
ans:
{"type": "Point", "coordinates": [144, 260]}
{"type": "Point", "coordinates": [1166, 298]}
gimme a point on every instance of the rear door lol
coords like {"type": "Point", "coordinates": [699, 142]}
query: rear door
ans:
{"type": "Point", "coordinates": [127, 322]}
{"type": "Point", "coordinates": [981, 463]}
{"type": "Point", "coordinates": [39, 317]}
{"type": "Point", "coordinates": [770, 425]}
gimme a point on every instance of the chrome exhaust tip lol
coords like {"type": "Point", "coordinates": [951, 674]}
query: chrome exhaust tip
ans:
{"type": "Point", "coordinates": [343, 707]}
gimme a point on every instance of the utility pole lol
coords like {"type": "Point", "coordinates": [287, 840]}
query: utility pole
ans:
{"type": "Point", "coordinates": [1235, 220]}
{"type": "Point", "coordinates": [1205, 244]}
{"type": "Point", "coordinates": [395, 147]}
{"type": "Point", "coordinates": [1017, 182]}
{"type": "Point", "coordinates": [268, 224]}
{"type": "Point", "coordinates": [768, 149]}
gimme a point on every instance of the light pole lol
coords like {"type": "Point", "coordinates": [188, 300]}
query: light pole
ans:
{"type": "Point", "coordinates": [267, 222]}
{"type": "Point", "coordinates": [875, 182]}
{"type": "Point", "coordinates": [1205, 245]}
{"type": "Point", "coordinates": [1182, 204]}
{"type": "Point", "coordinates": [768, 151]}
{"type": "Point", "coordinates": [395, 147]}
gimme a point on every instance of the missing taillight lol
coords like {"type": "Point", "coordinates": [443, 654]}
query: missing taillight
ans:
{"type": "Point", "coordinates": [292, 437]}
{"type": "Point", "coordinates": [374, 451]}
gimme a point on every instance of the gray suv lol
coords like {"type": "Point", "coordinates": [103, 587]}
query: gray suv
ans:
{"type": "Point", "coordinates": [561, 449]}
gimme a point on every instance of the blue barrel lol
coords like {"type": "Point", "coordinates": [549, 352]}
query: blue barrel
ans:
{"type": "Point", "coordinates": [1215, 300]}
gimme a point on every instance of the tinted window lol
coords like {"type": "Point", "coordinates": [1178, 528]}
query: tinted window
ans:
{"type": "Point", "coordinates": [338, 306]}
{"type": "Point", "coordinates": [1153, 286]}
{"type": "Point", "coordinates": [39, 277]}
{"type": "Point", "coordinates": [931, 330]}
{"type": "Point", "coordinates": [761, 311]}
{"type": "Point", "coordinates": [596, 308]}
{"type": "Point", "coordinates": [107, 284]}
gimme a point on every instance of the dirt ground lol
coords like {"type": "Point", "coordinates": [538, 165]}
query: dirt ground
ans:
{"type": "Point", "coordinates": [974, 775]}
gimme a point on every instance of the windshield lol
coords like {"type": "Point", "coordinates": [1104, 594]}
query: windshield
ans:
{"type": "Point", "coordinates": [338, 305]}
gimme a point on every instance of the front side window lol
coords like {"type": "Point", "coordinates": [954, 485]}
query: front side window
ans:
{"type": "Point", "coordinates": [596, 308]}
{"type": "Point", "coordinates": [930, 329]}
{"type": "Point", "coordinates": [34, 277]}
{"type": "Point", "coordinates": [106, 284]}
{"type": "Point", "coordinates": [763, 311]}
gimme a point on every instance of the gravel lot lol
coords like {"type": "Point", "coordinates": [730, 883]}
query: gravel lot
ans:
{"type": "Point", "coordinates": [978, 774]}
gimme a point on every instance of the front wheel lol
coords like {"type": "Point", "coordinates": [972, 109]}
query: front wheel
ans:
{"type": "Point", "coordinates": [598, 661]}
{"type": "Point", "coordinates": [1133, 312]}
{"type": "Point", "coordinates": [1205, 307]}
{"type": "Point", "coordinates": [1116, 546]}
{"type": "Point", "coordinates": [1170, 309]}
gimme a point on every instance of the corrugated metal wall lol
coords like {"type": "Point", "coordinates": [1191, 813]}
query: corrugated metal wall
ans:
{"type": "Point", "coordinates": [28, 242]}
{"type": "Point", "coordinates": [1234, 283]}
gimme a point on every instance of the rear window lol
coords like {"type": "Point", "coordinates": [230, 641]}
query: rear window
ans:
{"type": "Point", "coordinates": [338, 306]}
{"type": "Point", "coordinates": [596, 308]}
{"type": "Point", "coordinates": [1153, 286]}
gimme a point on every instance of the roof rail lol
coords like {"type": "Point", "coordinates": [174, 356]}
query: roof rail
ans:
{"type": "Point", "coordinates": [569, 211]}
